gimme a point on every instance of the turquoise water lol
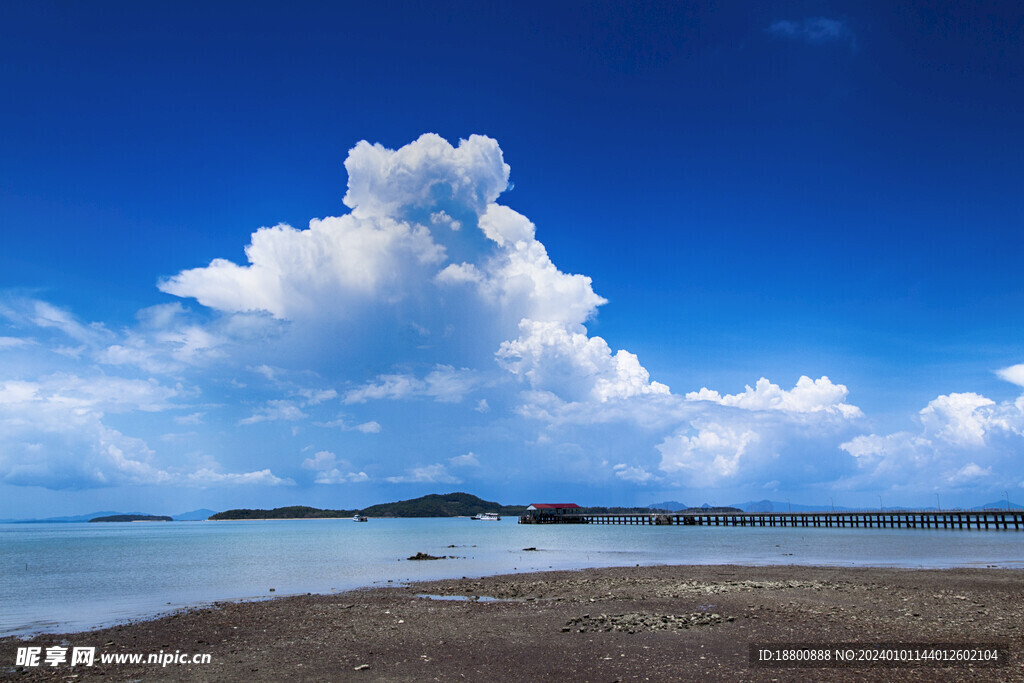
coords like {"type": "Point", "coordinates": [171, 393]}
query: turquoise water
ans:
{"type": "Point", "coordinates": [61, 577]}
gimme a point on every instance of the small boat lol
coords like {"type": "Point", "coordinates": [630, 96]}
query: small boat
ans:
{"type": "Point", "coordinates": [360, 518]}
{"type": "Point", "coordinates": [487, 517]}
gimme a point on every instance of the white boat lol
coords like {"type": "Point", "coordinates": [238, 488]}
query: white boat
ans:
{"type": "Point", "coordinates": [487, 517]}
{"type": "Point", "coordinates": [359, 518]}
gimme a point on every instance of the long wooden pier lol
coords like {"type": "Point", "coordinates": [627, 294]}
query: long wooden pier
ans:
{"type": "Point", "coordinates": [883, 519]}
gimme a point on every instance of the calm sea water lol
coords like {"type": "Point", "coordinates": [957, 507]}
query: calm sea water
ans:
{"type": "Point", "coordinates": [61, 577]}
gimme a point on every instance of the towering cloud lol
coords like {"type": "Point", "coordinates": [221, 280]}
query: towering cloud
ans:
{"type": "Point", "coordinates": [414, 210]}
{"type": "Point", "coordinates": [431, 317]}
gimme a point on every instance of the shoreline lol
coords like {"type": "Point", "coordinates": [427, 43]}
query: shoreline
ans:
{"type": "Point", "coordinates": [667, 622]}
{"type": "Point", "coordinates": [163, 611]}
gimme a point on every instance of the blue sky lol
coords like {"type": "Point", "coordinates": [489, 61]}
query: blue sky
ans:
{"type": "Point", "coordinates": [592, 252]}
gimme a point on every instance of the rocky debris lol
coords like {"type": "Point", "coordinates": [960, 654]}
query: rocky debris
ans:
{"type": "Point", "coordinates": [721, 587]}
{"type": "Point", "coordinates": [639, 635]}
{"type": "Point", "coordinates": [583, 590]}
{"type": "Point", "coordinates": [424, 556]}
{"type": "Point", "coordinates": [640, 621]}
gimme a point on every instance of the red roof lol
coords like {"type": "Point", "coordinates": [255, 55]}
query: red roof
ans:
{"type": "Point", "coordinates": [555, 506]}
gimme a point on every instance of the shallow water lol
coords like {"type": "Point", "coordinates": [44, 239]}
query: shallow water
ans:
{"type": "Point", "coordinates": [60, 577]}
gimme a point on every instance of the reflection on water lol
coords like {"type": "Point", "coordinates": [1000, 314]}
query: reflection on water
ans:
{"type": "Point", "coordinates": [461, 598]}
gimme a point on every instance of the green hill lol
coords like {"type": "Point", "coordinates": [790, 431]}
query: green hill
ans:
{"type": "Point", "coordinates": [290, 512]}
{"type": "Point", "coordinates": [446, 505]}
{"type": "Point", "coordinates": [132, 518]}
{"type": "Point", "coordinates": [433, 505]}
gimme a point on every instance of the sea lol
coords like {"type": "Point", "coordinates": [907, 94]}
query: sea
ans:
{"type": "Point", "coordinates": [71, 577]}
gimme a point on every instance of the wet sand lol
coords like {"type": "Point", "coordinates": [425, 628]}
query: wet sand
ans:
{"type": "Point", "coordinates": [631, 624]}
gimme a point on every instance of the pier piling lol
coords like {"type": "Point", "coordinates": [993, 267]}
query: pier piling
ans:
{"type": "Point", "coordinates": [1000, 520]}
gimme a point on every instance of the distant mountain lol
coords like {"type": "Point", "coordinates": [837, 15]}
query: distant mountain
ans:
{"type": "Point", "coordinates": [183, 517]}
{"type": "Point", "coordinates": [776, 506]}
{"type": "Point", "coordinates": [67, 519]}
{"type": "Point", "coordinates": [670, 505]}
{"type": "Point", "coordinates": [615, 510]}
{"type": "Point", "coordinates": [195, 515]}
{"type": "Point", "coordinates": [998, 505]}
{"type": "Point", "coordinates": [783, 506]}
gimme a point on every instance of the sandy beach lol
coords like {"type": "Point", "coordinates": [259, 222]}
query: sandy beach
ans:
{"type": "Point", "coordinates": [630, 624]}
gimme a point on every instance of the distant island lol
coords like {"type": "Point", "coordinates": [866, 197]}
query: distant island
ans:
{"type": "Point", "coordinates": [433, 505]}
{"type": "Point", "coordinates": [290, 512]}
{"type": "Point", "coordinates": [133, 518]}
{"type": "Point", "coordinates": [194, 515]}
{"type": "Point", "coordinates": [467, 505]}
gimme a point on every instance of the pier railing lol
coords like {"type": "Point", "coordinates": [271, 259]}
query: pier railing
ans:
{"type": "Point", "coordinates": [883, 519]}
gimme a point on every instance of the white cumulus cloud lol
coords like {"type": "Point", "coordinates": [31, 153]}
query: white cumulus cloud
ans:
{"type": "Point", "coordinates": [959, 419]}
{"type": "Point", "coordinates": [430, 474]}
{"type": "Point", "coordinates": [637, 475]}
{"type": "Point", "coordinates": [711, 455]}
{"type": "Point", "coordinates": [464, 460]}
{"type": "Point", "coordinates": [332, 470]}
{"type": "Point", "coordinates": [295, 273]}
{"type": "Point", "coordinates": [383, 182]}
{"type": "Point", "coordinates": [808, 396]}
{"type": "Point", "coordinates": [375, 254]}
{"type": "Point", "coordinates": [53, 434]}
{"type": "Point", "coordinates": [275, 410]}
{"type": "Point", "coordinates": [520, 278]}
{"type": "Point", "coordinates": [964, 439]}
{"type": "Point", "coordinates": [574, 366]}
{"type": "Point", "coordinates": [1014, 374]}
{"type": "Point", "coordinates": [428, 289]}
{"type": "Point", "coordinates": [208, 477]}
